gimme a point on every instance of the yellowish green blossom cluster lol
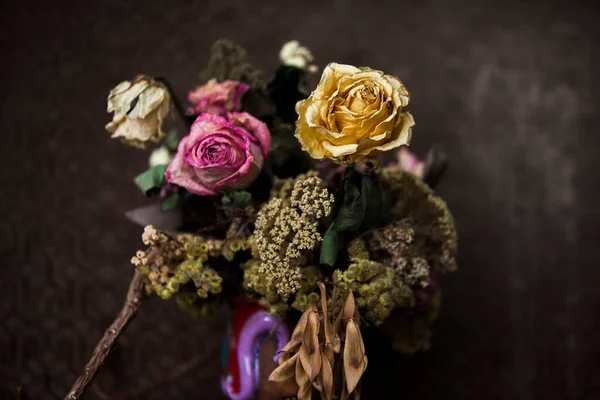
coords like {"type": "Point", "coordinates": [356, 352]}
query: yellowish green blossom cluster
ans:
{"type": "Point", "coordinates": [173, 260]}
{"type": "Point", "coordinates": [287, 230]}
{"type": "Point", "coordinates": [234, 242]}
{"type": "Point", "coordinates": [258, 282]}
{"type": "Point", "coordinates": [377, 288]}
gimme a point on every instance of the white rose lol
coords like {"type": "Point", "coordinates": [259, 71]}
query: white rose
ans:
{"type": "Point", "coordinates": [140, 107]}
{"type": "Point", "coordinates": [160, 156]}
{"type": "Point", "coordinates": [295, 55]}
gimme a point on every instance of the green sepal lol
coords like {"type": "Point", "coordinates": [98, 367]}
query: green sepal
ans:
{"type": "Point", "coordinates": [151, 181]}
{"type": "Point", "coordinates": [360, 211]}
{"type": "Point", "coordinates": [171, 142]}
{"type": "Point", "coordinates": [236, 199]}
{"type": "Point", "coordinates": [289, 85]}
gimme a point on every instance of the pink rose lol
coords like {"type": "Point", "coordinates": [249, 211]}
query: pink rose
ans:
{"type": "Point", "coordinates": [409, 162]}
{"type": "Point", "coordinates": [221, 152]}
{"type": "Point", "coordinates": [217, 98]}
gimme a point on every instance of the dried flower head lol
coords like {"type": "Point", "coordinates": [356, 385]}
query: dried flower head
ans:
{"type": "Point", "coordinates": [295, 55]}
{"type": "Point", "coordinates": [423, 226]}
{"type": "Point", "coordinates": [173, 261]}
{"type": "Point", "coordinates": [140, 107]}
{"type": "Point", "coordinates": [286, 231]}
{"type": "Point", "coordinates": [379, 290]}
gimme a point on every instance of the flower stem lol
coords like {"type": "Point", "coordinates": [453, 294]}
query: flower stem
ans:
{"type": "Point", "coordinates": [102, 350]}
{"type": "Point", "coordinates": [187, 119]}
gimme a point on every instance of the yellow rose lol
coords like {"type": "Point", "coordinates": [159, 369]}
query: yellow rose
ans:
{"type": "Point", "coordinates": [140, 107]}
{"type": "Point", "coordinates": [353, 115]}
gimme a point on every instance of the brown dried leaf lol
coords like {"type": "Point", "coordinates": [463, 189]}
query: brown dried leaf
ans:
{"type": "Point", "coordinates": [346, 312]}
{"type": "Point", "coordinates": [327, 379]}
{"type": "Point", "coordinates": [344, 393]}
{"type": "Point", "coordinates": [349, 306]}
{"type": "Point", "coordinates": [286, 356]}
{"type": "Point", "coordinates": [354, 356]}
{"type": "Point", "coordinates": [310, 344]}
{"type": "Point", "coordinates": [296, 338]}
{"type": "Point", "coordinates": [328, 353]}
{"type": "Point", "coordinates": [336, 344]}
{"type": "Point", "coordinates": [317, 384]}
{"type": "Point", "coordinates": [328, 327]}
{"type": "Point", "coordinates": [355, 395]}
{"type": "Point", "coordinates": [285, 371]}
{"type": "Point", "coordinates": [305, 392]}
{"type": "Point", "coordinates": [302, 379]}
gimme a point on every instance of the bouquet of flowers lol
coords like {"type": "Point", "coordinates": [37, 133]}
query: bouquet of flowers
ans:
{"type": "Point", "coordinates": [303, 210]}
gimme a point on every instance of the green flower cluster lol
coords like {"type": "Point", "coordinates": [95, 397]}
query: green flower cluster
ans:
{"type": "Point", "coordinates": [176, 264]}
{"type": "Point", "coordinates": [257, 281]}
{"type": "Point", "coordinates": [375, 286]}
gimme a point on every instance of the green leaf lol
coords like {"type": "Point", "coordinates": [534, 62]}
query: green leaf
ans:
{"type": "Point", "coordinates": [236, 199]}
{"type": "Point", "coordinates": [171, 203]}
{"type": "Point", "coordinates": [151, 181]}
{"type": "Point", "coordinates": [288, 87]}
{"type": "Point", "coordinates": [287, 157]}
{"type": "Point", "coordinates": [171, 142]}
{"type": "Point", "coordinates": [371, 192]}
{"type": "Point", "coordinates": [176, 200]}
{"type": "Point", "coordinates": [360, 211]}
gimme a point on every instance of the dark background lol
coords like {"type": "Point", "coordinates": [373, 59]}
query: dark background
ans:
{"type": "Point", "coordinates": [509, 89]}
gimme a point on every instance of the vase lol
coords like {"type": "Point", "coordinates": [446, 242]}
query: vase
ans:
{"type": "Point", "coordinates": [249, 327]}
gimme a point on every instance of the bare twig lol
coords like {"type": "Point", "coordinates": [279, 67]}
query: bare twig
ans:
{"type": "Point", "coordinates": [102, 350]}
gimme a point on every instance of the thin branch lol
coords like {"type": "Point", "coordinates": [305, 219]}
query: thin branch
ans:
{"type": "Point", "coordinates": [102, 350]}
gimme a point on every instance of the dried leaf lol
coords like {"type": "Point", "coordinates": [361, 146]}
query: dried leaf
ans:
{"type": "Point", "coordinates": [355, 395]}
{"type": "Point", "coordinates": [336, 344]}
{"type": "Point", "coordinates": [305, 392]}
{"type": "Point", "coordinates": [344, 393]}
{"type": "Point", "coordinates": [328, 327]}
{"type": "Point", "coordinates": [354, 356]}
{"type": "Point", "coordinates": [302, 379]}
{"type": "Point", "coordinates": [328, 354]}
{"type": "Point", "coordinates": [286, 356]}
{"type": "Point", "coordinates": [296, 338]}
{"type": "Point", "coordinates": [326, 378]}
{"type": "Point", "coordinates": [346, 312]}
{"type": "Point", "coordinates": [310, 344]}
{"type": "Point", "coordinates": [285, 371]}
{"type": "Point", "coordinates": [317, 384]}
{"type": "Point", "coordinates": [350, 306]}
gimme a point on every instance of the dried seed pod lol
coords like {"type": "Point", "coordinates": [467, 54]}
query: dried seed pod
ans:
{"type": "Point", "coordinates": [354, 356]}
{"type": "Point", "coordinates": [317, 384]}
{"type": "Point", "coordinates": [328, 327]}
{"type": "Point", "coordinates": [328, 354]}
{"type": "Point", "coordinates": [327, 379]}
{"type": "Point", "coordinates": [310, 345]}
{"type": "Point", "coordinates": [286, 356]}
{"type": "Point", "coordinates": [285, 371]}
{"type": "Point", "coordinates": [296, 338]}
{"type": "Point", "coordinates": [349, 306]}
{"type": "Point", "coordinates": [303, 381]}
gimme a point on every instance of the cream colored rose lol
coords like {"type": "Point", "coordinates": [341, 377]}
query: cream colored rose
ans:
{"type": "Point", "coordinates": [140, 107]}
{"type": "Point", "coordinates": [295, 55]}
{"type": "Point", "coordinates": [353, 115]}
